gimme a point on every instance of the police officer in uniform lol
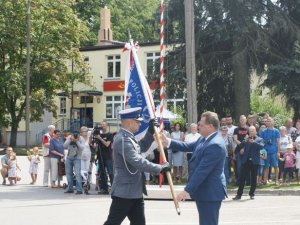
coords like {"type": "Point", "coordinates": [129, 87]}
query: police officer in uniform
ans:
{"type": "Point", "coordinates": [129, 167]}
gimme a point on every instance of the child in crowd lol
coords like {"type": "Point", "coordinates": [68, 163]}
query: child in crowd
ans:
{"type": "Point", "coordinates": [263, 156]}
{"type": "Point", "coordinates": [289, 163]}
{"type": "Point", "coordinates": [34, 164]}
{"type": "Point", "coordinates": [13, 169]}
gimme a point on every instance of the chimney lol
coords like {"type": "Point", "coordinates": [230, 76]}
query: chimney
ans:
{"type": "Point", "coordinates": [105, 32]}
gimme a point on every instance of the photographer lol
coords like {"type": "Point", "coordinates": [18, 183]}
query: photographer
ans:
{"type": "Point", "coordinates": [75, 146]}
{"type": "Point", "coordinates": [104, 140]}
{"type": "Point", "coordinates": [249, 151]}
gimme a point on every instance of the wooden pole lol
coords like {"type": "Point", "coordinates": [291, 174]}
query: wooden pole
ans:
{"type": "Point", "coordinates": [170, 181]}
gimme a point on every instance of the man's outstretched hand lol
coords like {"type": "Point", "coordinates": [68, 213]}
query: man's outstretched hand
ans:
{"type": "Point", "coordinates": [182, 196]}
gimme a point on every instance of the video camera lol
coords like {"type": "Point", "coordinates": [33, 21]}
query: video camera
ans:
{"type": "Point", "coordinates": [75, 135]}
{"type": "Point", "coordinates": [97, 131]}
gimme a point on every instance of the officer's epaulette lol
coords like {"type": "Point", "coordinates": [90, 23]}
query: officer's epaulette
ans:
{"type": "Point", "coordinates": [129, 136]}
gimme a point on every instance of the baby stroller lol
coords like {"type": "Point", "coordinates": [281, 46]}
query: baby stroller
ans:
{"type": "Point", "coordinates": [65, 185]}
{"type": "Point", "coordinates": [86, 175]}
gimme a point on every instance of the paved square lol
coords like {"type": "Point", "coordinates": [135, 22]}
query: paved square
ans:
{"type": "Point", "coordinates": [26, 204]}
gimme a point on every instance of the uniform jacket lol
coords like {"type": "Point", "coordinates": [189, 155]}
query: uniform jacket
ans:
{"type": "Point", "coordinates": [129, 164]}
{"type": "Point", "coordinates": [206, 176]}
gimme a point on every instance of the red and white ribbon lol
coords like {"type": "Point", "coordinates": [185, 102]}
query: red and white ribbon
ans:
{"type": "Point", "coordinates": [162, 59]}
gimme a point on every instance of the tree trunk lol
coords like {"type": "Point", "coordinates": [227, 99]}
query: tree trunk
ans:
{"type": "Point", "coordinates": [296, 112]}
{"type": "Point", "coordinates": [190, 62]}
{"type": "Point", "coordinates": [241, 85]}
{"type": "Point", "coordinates": [13, 134]}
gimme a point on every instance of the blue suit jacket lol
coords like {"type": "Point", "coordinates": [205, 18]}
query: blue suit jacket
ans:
{"type": "Point", "coordinates": [206, 168]}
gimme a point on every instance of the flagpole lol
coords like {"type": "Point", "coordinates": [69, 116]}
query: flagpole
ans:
{"type": "Point", "coordinates": [162, 157]}
{"type": "Point", "coordinates": [150, 105]}
{"type": "Point", "coordinates": [162, 84]}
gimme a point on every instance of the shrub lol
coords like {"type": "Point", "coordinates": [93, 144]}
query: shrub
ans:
{"type": "Point", "coordinates": [267, 104]}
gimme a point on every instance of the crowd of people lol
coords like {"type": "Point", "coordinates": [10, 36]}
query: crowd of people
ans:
{"type": "Point", "coordinates": [256, 152]}
{"type": "Point", "coordinates": [73, 156]}
{"type": "Point", "coordinates": [259, 153]}
{"type": "Point", "coordinates": [251, 153]}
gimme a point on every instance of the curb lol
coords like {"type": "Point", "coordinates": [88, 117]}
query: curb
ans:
{"type": "Point", "coordinates": [164, 194]}
{"type": "Point", "coordinates": [270, 192]}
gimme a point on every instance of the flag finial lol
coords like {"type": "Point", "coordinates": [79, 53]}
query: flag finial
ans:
{"type": "Point", "coordinates": [129, 35]}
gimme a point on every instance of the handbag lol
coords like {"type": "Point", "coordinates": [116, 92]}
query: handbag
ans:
{"type": "Point", "coordinates": [230, 148]}
{"type": "Point", "coordinates": [61, 168]}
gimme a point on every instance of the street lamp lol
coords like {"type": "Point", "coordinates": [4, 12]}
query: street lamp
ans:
{"type": "Point", "coordinates": [86, 95]}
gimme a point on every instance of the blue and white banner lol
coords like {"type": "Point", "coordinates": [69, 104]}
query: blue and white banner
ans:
{"type": "Point", "coordinates": [137, 91]}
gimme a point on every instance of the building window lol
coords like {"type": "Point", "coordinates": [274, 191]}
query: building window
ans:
{"type": "Point", "coordinates": [113, 105]}
{"type": "Point", "coordinates": [152, 64]}
{"type": "Point", "coordinates": [86, 99]}
{"type": "Point", "coordinates": [62, 106]}
{"type": "Point", "coordinates": [113, 66]}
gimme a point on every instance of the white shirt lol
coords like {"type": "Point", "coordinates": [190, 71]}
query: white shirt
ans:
{"type": "Point", "coordinates": [210, 135]}
{"type": "Point", "coordinates": [192, 137]}
{"type": "Point", "coordinates": [297, 141]}
{"type": "Point", "coordinates": [231, 130]}
{"type": "Point", "coordinates": [284, 141]}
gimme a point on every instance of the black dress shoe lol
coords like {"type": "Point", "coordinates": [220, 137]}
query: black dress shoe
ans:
{"type": "Point", "coordinates": [78, 193]}
{"type": "Point", "coordinates": [69, 192]}
{"type": "Point", "coordinates": [237, 197]}
{"type": "Point", "coordinates": [252, 197]}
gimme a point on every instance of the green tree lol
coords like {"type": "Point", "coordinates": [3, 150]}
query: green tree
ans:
{"type": "Point", "coordinates": [140, 17]}
{"type": "Point", "coordinates": [56, 33]}
{"type": "Point", "coordinates": [284, 64]}
{"type": "Point", "coordinates": [137, 16]}
{"type": "Point", "coordinates": [89, 11]}
{"type": "Point", "coordinates": [233, 39]}
{"type": "Point", "coordinates": [266, 104]}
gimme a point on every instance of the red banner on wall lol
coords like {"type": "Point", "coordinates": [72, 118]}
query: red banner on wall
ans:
{"type": "Point", "coordinates": [114, 85]}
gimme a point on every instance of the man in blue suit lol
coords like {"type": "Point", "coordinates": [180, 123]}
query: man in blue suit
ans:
{"type": "Point", "coordinates": [249, 151]}
{"type": "Point", "coordinates": [206, 184]}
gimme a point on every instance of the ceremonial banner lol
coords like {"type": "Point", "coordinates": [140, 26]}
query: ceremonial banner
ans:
{"type": "Point", "coordinates": [137, 91]}
{"type": "Point", "coordinates": [138, 94]}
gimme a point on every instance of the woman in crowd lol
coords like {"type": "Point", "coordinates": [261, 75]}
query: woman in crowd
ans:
{"type": "Point", "coordinates": [177, 157]}
{"type": "Point", "coordinates": [297, 147]}
{"type": "Point", "coordinates": [86, 153]}
{"type": "Point", "coordinates": [56, 150]}
{"type": "Point", "coordinates": [284, 141]}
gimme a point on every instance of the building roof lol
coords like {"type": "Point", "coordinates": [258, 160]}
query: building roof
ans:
{"type": "Point", "coordinates": [114, 45]}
